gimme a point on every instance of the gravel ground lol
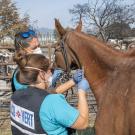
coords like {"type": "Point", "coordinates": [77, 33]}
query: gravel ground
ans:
{"type": "Point", "coordinates": [5, 128]}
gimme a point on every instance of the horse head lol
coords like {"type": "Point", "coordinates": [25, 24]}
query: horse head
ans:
{"type": "Point", "coordinates": [64, 56]}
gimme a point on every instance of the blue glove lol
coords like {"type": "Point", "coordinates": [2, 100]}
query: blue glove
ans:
{"type": "Point", "coordinates": [78, 75]}
{"type": "Point", "coordinates": [56, 76]}
{"type": "Point", "coordinates": [84, 85]}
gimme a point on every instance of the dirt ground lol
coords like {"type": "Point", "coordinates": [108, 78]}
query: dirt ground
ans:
{"type": "Point", "coordinates": [5, 128]}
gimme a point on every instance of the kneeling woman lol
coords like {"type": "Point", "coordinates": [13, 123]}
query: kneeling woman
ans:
{"type": "Point", "coordinates": [35, 110]}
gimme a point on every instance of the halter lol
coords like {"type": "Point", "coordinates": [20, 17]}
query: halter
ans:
{"type": "Point", "coordinates": [65, 56]}
{"type": "Point", "coordinates": [64, 53]}
{"type": "Point", "coordinates": [67, 74]}
{"type": "Point", "coordinates": [63, 50]}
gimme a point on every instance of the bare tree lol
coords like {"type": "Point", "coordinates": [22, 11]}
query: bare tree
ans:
{"type": "Point", "coordinates": [10, 21]}
{"type": "Point", "coordinates": [100, 14]}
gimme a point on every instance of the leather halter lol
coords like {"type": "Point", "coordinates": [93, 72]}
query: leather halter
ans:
{"type": "Point", "coordinates": [67, 72]}
{"type": "Point", "coordinates": [63, 50]}
{"type": "Point", "coordinates": [65, 55]}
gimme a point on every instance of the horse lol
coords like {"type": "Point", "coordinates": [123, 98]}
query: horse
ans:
{"type": "Point", "coordinates": [110, 73]}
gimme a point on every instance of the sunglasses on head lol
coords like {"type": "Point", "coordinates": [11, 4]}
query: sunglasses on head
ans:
{"type": "Point", "coordinates": [28, 34]}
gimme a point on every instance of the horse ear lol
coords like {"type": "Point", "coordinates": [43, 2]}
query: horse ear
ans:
{"type": "Point", "coordinates": [61, 31]}
{"type": "Point", "coordinates": [79, 27]}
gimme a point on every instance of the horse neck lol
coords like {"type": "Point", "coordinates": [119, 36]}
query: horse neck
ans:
{"type": "Point", "coordinates": [96, 59]}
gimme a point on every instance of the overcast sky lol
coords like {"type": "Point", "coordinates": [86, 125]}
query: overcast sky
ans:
{"type": "Point", "coordinates": [44, 11]}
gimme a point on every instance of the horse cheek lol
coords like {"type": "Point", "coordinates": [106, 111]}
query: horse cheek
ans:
{"type": "Point", "coordinates": [59, 60]}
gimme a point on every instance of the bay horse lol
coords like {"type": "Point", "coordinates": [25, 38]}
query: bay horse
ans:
{"type": "Point", "coordinates": [111, 74]}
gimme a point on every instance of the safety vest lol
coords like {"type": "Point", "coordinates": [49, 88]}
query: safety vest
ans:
{"type": "Point", "coordinates": [24, 111]}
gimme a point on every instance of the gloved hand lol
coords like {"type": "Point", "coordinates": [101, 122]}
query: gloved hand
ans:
{"type": "Point", "coordinates": [83, 85]}
{"type": "Point", "coordinates": [56, 76]}
{"type": "Point", "coordinates": [78, 75]}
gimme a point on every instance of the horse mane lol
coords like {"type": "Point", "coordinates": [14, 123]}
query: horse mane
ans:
{"type": "Point", "coordinates": [126, 52]}
{"type": "Point", "coordinates": [108, 55]}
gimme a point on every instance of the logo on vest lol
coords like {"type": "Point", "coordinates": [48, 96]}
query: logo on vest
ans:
{"type": "Point", "coordinates": [22, 115]}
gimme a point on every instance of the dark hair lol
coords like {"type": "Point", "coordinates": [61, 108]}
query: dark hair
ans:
{"type": "Point", "coordinates": [28, 76]}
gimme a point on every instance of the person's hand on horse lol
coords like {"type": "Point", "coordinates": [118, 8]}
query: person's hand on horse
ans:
{"type": "Point", "coordinates": [56, 76]}
{"type": "Point", "coordinates": [83, 85]}
{"type": "Point", "coordinates": [78, 76]}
